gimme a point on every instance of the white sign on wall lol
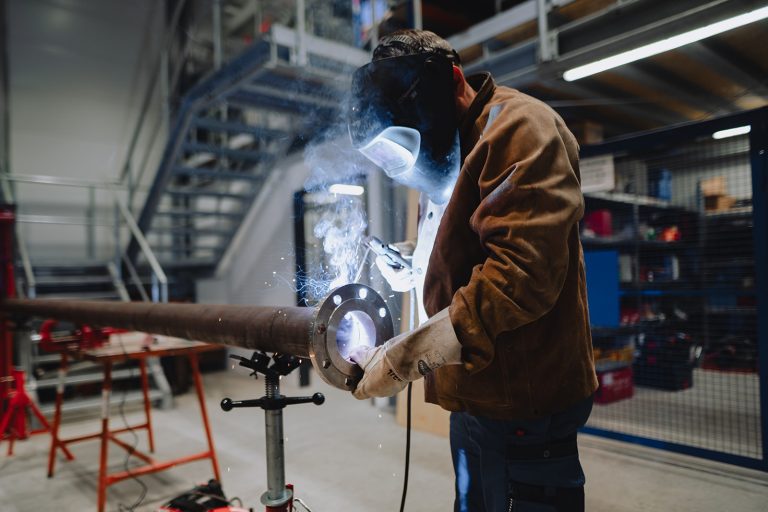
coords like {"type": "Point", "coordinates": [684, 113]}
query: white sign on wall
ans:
{"type": "Point", "coordinates": [597, 173]}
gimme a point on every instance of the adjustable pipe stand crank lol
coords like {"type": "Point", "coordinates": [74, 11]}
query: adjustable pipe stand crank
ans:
{"type": "Point", "coordinates": [279, 496]}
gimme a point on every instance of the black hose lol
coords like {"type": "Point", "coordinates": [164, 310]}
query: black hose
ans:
{"type": "Point", "coordinates": [407, 447]}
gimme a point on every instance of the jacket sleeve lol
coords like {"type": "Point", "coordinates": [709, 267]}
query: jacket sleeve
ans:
{"type": "Point", "coordinates": [530, 199]}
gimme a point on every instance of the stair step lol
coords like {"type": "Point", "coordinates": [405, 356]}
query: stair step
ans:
{"type": "Point", "coordinates": [87, 378]}
{"type": "Point", "coordinates": [97, 295]}
{"type": "Point", "coordinates": [223, 174]}
{"type": "Point", "coordinates": [46, 358]}
{"type": "Point", "coordinates": [181, 230]}
{"type": "Point", "coordinates": [236, 154]}
{"type": "Point", "coordinates": [204, 264]}
{"type": "Point", "coordinates": [217, 125]}
{"type": "Point", "coordinates": [117, 397]}
{"type": "Point", "coordinates": [209, 193]}
{"type": "Point", "coordinates": [182, 213]}
{"type": "Point", "coordinates": [58, 280]}
{"type": "Point", "coordinates": [68, 269]}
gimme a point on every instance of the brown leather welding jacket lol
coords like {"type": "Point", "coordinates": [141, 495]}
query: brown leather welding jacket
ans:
{"type": "Point", "coordinates": [508, 262]}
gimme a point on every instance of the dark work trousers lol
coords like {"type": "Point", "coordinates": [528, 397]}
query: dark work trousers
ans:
{"type": "Point", "coordinates": [487, 467]}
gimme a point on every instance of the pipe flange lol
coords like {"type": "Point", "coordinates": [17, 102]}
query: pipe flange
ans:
{"type": "Point", "coordinates": [350, 315]}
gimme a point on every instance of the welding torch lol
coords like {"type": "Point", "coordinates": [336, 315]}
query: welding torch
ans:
{"type": "Point", "coordinates": [391, 254]}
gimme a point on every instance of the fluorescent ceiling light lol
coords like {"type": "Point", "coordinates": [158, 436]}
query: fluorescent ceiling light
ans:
{"type": "Point", "coordinates": [665, 45]}
{"type": "Point", "coordinates": [732, 132]}
{"type": "Point", "coordinates": [348, 190]}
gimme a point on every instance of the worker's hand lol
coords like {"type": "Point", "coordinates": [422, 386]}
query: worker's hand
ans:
{"type": "Point", "coordinates": [379, 378]}
{"type": "Point", "coordinates": [400, 280]}
{"type": "Point", "coordinates": [407, 357]}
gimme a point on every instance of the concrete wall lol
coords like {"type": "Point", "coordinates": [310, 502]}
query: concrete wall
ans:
{"type": "Point", "coordinates": [78, 70]}
{"type": "Point", "coordinates": [3, 91]}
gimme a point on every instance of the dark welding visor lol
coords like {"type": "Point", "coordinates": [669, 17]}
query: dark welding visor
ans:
{"type": "Point", "coordinates": [414, 91]}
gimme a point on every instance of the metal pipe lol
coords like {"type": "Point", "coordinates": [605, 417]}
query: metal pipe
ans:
{"type": "Point", "coordinates": [374, 27]}
{"type": "Point", "coordinates": [217, 40]}
{"type": "Point", "coordinates": [301, 32]}
{"type": "Point", "coordinates": [146, 103]}
{"type": "Point", "coordinates": [545, 47]}
{"type": "Point", "coordinates": [349, 315]}
{"type": "Point", "coordinates": [418, 20]}
{"type": "Point", "coordinates": [272, 329]}
{"type": "Point", "coordinates": [90, 229]}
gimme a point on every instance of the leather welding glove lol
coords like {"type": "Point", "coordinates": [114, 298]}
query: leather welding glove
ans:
{"type": "Point", "coordinates": [400, 280]}
{"type": "Point", "coordinates": [389, 367]}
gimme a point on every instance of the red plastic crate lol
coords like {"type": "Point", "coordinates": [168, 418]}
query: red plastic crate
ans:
{"type": "Point", "coordinates": [615, 385]}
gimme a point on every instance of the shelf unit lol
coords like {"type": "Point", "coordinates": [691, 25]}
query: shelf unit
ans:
{"type": "Point", "coordinates": [682, 314]}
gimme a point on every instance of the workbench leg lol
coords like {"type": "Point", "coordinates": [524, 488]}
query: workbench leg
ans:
{"type": "Point", "coordinates": [201, 398]}
{"type": "Point", "coordinates": [106, 391]}
{"type": "Point", "coordinates": [147, 403]}
{"type": "Point", "coordinates": [55, 442]}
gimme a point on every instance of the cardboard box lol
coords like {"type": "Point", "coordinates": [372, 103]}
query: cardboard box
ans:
{"type": "Point", "coordinates": [715, 186]}
{"type": "Point", "coordinates": [718, 203]}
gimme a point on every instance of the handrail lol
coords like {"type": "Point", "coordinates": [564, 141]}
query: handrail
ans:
{"type": "Point", "coordinates": [154, 80]}
{"type": "Point", "coordinates": [21, 245]}
{"type": "Point", "coordinates": [157, 270]}
{"type": "Point", "coordinates": [135, 278]}
{"type": "Point", "coordinates": [42, 179]}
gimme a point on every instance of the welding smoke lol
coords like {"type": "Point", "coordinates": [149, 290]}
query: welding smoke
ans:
{"type": "Point", "coordinates": [341, 230]}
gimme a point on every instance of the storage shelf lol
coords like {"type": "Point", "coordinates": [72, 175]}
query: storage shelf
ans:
{"type": "Point", "coordinates": [661, 289]}
{"type": "Point", "coordinates": [734, 310]}
{"type": "Point", "coordinates": [621, 198]}
{"type": "Point", "coordinates": [606, 366]}
{"type": "Point", "coordinates": [631, 243]}
{"type": "Point", "coordinates": [733, 212]}
{"type": "Point", "coordinates": [630, 199]}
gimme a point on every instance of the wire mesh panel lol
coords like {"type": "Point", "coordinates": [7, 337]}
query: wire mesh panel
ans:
{"type": "Point", "coordinates": [671, 271]}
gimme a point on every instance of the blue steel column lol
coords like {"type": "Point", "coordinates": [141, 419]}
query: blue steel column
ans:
{"type": "Point", "coordinates": [758, 147]}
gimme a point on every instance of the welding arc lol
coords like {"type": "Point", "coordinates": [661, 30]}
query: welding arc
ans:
{"type": "Point", "coordinates": [267, 328]}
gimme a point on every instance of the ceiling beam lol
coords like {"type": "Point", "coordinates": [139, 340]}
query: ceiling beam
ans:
{"type": "Point", "coordinates": [632, 80]}
{"type": "Point", "coordinates": [633, 114]}
{"type": "Point", "coordinates": [714, 60]}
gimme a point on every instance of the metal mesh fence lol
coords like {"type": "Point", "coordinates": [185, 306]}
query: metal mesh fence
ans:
{"type": "Point", "coordinates": [671, 274]}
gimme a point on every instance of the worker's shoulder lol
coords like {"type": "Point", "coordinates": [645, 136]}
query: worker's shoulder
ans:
{"type": "Point", "coordinates": [513, 103]}
{"type": "Point", "coordinates": [510, 114]}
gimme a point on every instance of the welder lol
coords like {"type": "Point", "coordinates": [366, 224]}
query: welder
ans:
{"type": "Point", "coordinates": [504, 341]}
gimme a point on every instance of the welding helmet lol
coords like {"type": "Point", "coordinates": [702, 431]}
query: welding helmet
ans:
{"type": "Point", "coordinates": [402, 117]}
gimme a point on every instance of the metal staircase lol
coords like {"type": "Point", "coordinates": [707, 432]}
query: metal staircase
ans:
{"type": "Point", "coordinates": [83, 282]}
{"type": "Point", "coordinates": [227, 136]}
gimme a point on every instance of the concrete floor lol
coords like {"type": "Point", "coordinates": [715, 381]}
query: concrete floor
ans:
{"type": "Point", "coordinates": [349, 455]}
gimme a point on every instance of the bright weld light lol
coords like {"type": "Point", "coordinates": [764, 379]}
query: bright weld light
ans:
{"type": "Point", "coordinates": [732, 132]}
{"type": "Point", "coordinates": [665, 44]}
{"type": "Point", "coordinates": [347, 190]}
{"type": "Point", "coordinates": [356, 329]}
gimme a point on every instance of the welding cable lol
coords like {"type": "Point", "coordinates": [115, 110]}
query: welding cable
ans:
{"type": "Point", "coordinates": [411, 326]}
{"type": "Point", "coordinates": [143, 494]}
{"type": "Point", "coordinates": [407, 447]}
